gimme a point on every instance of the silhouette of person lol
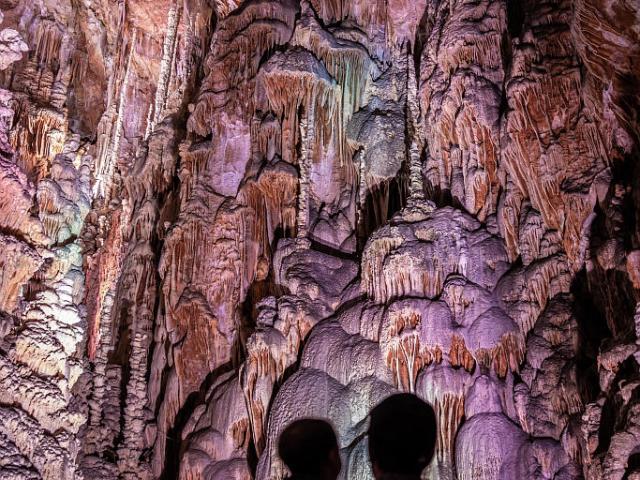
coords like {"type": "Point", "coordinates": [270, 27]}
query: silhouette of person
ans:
{"type": "Point", "coordinates": [402, 437]}
{"type": "Point", "coordinates": [309, 448]}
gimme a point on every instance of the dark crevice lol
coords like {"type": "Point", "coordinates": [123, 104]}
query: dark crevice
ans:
{"type": "Point", "coordinates": [515, 18]}
{"type": "Point", "coordinates": [592, 329]}
{"type": "Point", "coordinates": [332, 251]}
{"type": "Point", "coordinates": [120, 356]}
{"type": "Point", "coordinates": [175, 446]}
{"type": "Point", "coordinates": [633, 465]}
{"type": "Point", "coordinates": [382, 202]}
{"type": "Point", "coordinates": [614, 411]}
{"type": "Point", "coordinates": [422, 36]}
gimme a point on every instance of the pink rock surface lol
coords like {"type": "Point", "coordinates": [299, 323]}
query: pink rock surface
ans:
{"type": "Point", "coordinates": [219, 216]}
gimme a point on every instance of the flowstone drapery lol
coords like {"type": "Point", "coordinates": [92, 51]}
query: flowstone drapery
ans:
{"type": "Point", "coordinates": [219, 216]}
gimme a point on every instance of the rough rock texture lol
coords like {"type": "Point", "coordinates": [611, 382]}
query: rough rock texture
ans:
{"type": "Point", "coordinates": [219, 216]}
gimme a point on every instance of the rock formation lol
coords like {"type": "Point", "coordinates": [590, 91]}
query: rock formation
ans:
{"type": "Point", "coordinates": [219, 216]}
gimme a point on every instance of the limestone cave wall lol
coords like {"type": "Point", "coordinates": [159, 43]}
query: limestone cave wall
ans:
{"type": "Point", "coordinates": [217, 216]}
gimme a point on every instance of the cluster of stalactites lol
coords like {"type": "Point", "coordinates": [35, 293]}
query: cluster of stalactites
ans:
{"type": "Point", "coordinates": [47, 41]}
{"type": "Point", "coordinates": [238, 45]}
{"type": "Point", "coordinates": [347, 62]}
{"type": "Point", "coordinates": [373, 259]}
{"type": "Point", "coordinates": [273, 207]}
{"type": "Point", "coordinates": [264, 367]}
{"type": "Point", "coordinates": [406, 355]}
{"type": "Point", "coordinates": [40, 136]}
{"type": "Point", "coordinates": [286, 92]}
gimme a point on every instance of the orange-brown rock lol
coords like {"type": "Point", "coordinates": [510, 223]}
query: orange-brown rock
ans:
{"type": "Point", "coordinates": [219, 216]}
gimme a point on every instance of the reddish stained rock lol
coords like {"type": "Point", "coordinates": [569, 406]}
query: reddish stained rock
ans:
{"type": "Point", "coordinates": [217, 217]}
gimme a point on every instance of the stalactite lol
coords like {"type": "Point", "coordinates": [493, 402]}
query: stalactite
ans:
{"type": "Point", "coordinates": [107, 165]}
{"type": "Point", "coordinates": [506, 356]}
{"type": "Point", "coordinates": [404, 354]}
{"type": "Point", "coordinates": [346, 61]}
{"type": "Point", "coordinates": [48, 40]}
{"type": "Point", "coordinates": [362, 187]}
{"type": "Point", "coordinates": [450, 412]}
{"type": "Point", "coordinates": [264, 367]}
{"type": "Point", "coordinates": [79, 66]}
{"type": "Point", "coordinates": [266, 137]}
{"type": "Point", "coordinates": [209, 326]}
{"type": "Point", "coordinates": [370, 15]}
{"type": "Point", "coordinates": [459, 355]}
{"type": "Point", "coordinates": [38, 139]}
{"type": "Point", "coordinates": [544, 279]}
{"type": "Point", "coordinates": [225, 7]}
{"type": "Point", "coordinates": [256, 28]}
{"type": "Point", "coordinates": [484, 50]}
{"type": "Point", "coordinates": [307, 132]}
{"type": "Point", "coordinates": [416, 133]}
{"type": "Point", "coordinates": [373, 266]}
{"type": "Point", "coordinates": [270, 198]}
{"type": "Point", "coordinates": [287, 91]}
{"type": "Point", "coordinates": [166, 65]}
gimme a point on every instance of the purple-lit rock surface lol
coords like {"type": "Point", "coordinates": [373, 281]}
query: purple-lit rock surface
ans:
{"type": "Point", "coordinates": [219, 216]}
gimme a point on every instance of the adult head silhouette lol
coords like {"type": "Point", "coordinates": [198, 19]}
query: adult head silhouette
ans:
{"type": "Point", "coordinates": [402, 437]}
{"type": "Point", "coordinates": [309, 448]}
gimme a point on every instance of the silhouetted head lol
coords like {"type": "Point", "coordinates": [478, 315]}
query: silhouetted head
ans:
{"type": "Point", "coordinates": [402, 436]}
{"type": "Point", "coordinates": [310, 449]}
